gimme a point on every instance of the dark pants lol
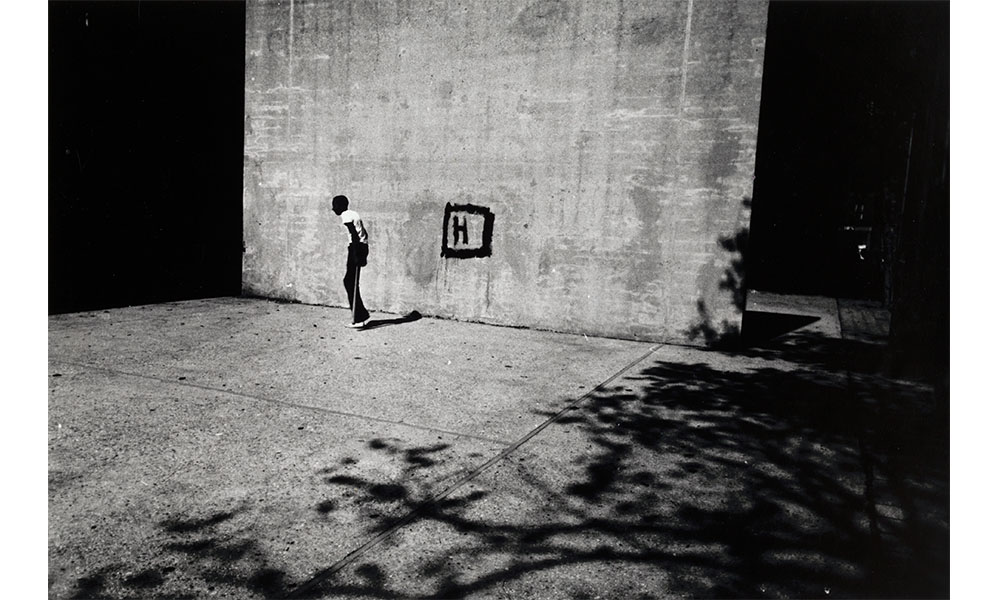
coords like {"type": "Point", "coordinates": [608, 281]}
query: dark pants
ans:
{"type": "Point", "coordinates": [357, 257]}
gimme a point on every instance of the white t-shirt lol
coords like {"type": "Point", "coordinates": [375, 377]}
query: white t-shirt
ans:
{"type": "Point", "coordinates": [354, 225]}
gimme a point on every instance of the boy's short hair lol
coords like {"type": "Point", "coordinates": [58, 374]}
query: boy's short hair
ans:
{"type": "Point", "coordinates": [340, 203]}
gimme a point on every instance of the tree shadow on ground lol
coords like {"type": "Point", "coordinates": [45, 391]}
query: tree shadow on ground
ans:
{"type": "Point", "coordinates": [197, 553]}
{"type": "Point", "coordinates": [788, 476]}
{"type": "Point", "coordinates": [791, 480]}
{"type": "Point", "coordinates": [217, 550]}
{"type": "Point", "coordinates": [802, 450]}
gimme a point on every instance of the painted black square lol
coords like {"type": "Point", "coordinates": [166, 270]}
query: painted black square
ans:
{"type": "Point", "coordinates": [467, 231]}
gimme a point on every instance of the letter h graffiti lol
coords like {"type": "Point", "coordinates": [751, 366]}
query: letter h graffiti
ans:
{"type": "Point", "coordinates": [463, 229]}
{"type": "Point", "coordinates": [467, 231]}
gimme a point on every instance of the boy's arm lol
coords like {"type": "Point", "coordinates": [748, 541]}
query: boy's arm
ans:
{"type": "Point", "coordinates": [362, 233]}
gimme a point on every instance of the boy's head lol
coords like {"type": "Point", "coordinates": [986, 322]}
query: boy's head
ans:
{"type": "Point", "coordinates": [340, 204]}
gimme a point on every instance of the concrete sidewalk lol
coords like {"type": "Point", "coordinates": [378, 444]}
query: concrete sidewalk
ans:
{"type": "Point", "coordinates": [243, 448]}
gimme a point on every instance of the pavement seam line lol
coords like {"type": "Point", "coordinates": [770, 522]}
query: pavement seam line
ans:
{"type": "Point", "coordinates": [355, 554]}
{"type": "Point", "coordinates": [281, 402]}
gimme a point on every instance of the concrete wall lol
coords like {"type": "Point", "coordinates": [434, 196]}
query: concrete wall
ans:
{"type": "Point", "coordinates": [612, 143]}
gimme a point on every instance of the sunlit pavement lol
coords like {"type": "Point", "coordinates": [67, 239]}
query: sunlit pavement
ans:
{"type": "Point", "coordinates": [244, 448]}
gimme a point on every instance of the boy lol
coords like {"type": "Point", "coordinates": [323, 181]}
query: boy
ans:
{"type": "Point", "coordinates": [357, 257]}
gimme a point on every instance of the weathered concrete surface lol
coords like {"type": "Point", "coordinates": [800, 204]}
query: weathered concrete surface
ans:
{"type": "Point", "coordinates": [237, 448]}
{"type": "Point", "coordinates": [164, 490]}
{"type": "Point", "coordinates": [472, 377]}
{"type": "Point", "coordinates": [229, 446]}
{"type": "Point", "coordinates": [614, 142]}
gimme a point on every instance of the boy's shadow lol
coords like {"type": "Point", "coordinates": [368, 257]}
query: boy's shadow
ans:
{"type": "Point", "coordinates": [407, 318]}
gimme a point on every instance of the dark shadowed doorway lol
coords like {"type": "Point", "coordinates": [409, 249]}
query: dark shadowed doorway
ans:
{"type": "Point", "coordinates": [145, 162]}
{"type": "Point", "coordinates": [845, 86]}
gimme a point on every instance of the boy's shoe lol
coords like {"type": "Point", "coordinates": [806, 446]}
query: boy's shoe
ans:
{"type": "Point", "coordinates": [359, 324]}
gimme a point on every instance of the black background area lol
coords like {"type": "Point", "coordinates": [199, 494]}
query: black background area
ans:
{"type": "Point", "coordinates": [846, 87]}
{"type": "Point", "coordinates": [145, 152]}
